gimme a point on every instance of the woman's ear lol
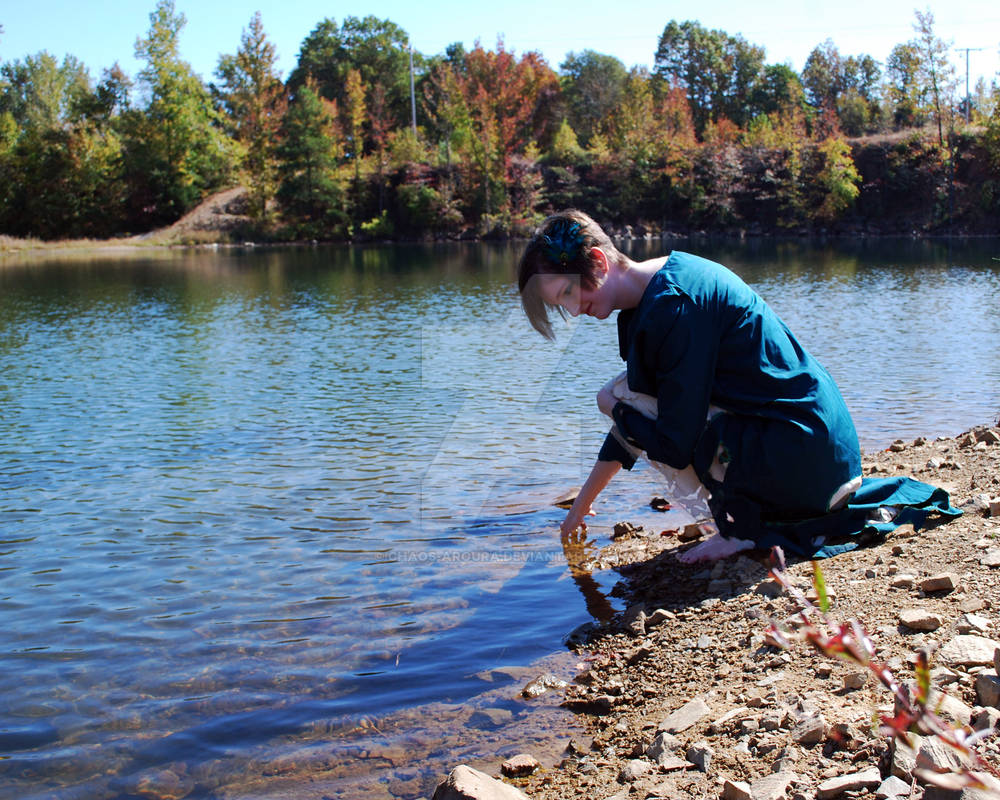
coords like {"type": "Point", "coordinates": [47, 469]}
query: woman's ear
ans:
{"type": "Point", "coordinates": [600, 261]}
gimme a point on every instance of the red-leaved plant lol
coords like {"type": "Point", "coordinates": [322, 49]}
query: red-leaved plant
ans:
{"type": "Point", "coordinates": [848, 641]}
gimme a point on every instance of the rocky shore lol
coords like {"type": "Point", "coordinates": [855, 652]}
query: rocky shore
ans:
{"type": "Point", "coordinates": [686, 696]}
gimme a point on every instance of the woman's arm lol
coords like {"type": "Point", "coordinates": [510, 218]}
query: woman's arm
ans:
{"type": "Point", "coordinates": [600, 476]}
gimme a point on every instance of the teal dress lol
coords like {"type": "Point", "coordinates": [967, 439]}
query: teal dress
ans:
{"type": "Point", "coordinates": [701, 337]}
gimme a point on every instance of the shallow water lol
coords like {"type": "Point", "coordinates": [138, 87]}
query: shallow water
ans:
{"type": "Point", "coordinates": [263, 507]}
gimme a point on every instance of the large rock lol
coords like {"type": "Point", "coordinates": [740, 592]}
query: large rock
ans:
{"type": "Point", "coordinates": [688, 715]}
{"type": "Point", "coordinates": [466, 783]}
{"type": "Point", "coordinates": [969, 651]}
{"type": "Point", "coordinates": [871, 778]}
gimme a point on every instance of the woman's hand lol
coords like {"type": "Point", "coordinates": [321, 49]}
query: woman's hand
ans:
{"type": "Point", "coordinates": [606, 401]}
{"type": "Point", "coordinates": [575, 520]}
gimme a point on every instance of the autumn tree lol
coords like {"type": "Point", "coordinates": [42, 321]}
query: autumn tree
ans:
{"type": "Point", "coordinates": [253, 96]}
{"type": "Point", "coordinates": [501, 96]}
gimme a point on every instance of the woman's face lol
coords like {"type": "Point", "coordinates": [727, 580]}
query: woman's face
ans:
{"type": "Point", "coordinates": [567, 291]}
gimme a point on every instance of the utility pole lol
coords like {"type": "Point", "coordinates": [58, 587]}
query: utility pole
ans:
{"type": "Point", "coordinates": [968, 97]}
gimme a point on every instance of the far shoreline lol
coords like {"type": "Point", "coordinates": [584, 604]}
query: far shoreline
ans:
{"type": "Point", "coordinates": [12, 248]}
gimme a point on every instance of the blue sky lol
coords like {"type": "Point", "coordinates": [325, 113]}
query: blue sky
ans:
{"type": "Point", "coordinates": [99, 33]}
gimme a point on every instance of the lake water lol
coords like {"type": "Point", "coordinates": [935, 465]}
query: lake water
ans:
{"type": "Point", "coordinates": [274, 523]}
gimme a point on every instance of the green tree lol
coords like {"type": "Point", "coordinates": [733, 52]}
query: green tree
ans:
{"type": "Point", "coordinates": [720, 73]}
{"type": "Point", "coordinates": [175, 149]}
{"type": "Point", "coordinates": [308, 191]}
{"type": "Point", "coordinates": [60, 156]}
{"type": "Point", "coordinates": [253, 97]}
{"type": "Point", "coordinates": [778, 90]}
{"type": "Point", "coordinates": [935, 74]}
{"type": "Point", "coordinates": [823, 76]}
{"type": "Point", "coordinates": [42, 94]}
{"type": "Point", "coordinates": [378, 49]}
{"type": "Point", "coordinates": [903, 88]}
{"type": "Point", "coordinates": [592, 85]}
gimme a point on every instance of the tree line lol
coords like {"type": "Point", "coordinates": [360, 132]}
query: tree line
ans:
{"type": "Point", "coordinates": [369, 139]}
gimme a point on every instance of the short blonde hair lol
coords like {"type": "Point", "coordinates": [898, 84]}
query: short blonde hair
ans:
{"type": "Point", "coordinates": [562, 245]}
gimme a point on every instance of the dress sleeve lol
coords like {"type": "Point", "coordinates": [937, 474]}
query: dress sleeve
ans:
{"type": "Point", "coordinates": [678, 347]}
{"type": "Point", "coordinates": [614, 450]}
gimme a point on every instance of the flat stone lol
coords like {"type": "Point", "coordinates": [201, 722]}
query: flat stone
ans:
{"type": "Point", "coordinates": [772, 787]}
{"type": "Point", "coordinates": [920, 619]}
{"type": "Point", "coordinates": [942, 582]}
{"type": "Point", "coordinates": [519, 766]}
{"type": "Point", "coordinates": [736, 790]}
{"type": "Point", "coordinates": [673, 763]}
{"type": "Point", "coordinates": [995, 508]}
{"type": "Point", "coordinates": [465, 783]}
{"type": "Point", "coordinates": [968, 650]}
{"type": "Point", "coordinates": [937, 756]}
{"type": "Point", "coordinates": [974, 623]}
{"type": "Point", "coordinates": [892, 788]}
{"type": "Point", "coordinates": [688, 715]}
{"type": "Point", "coordinates": [870, 778]}
{"type": "Point", "coordinates": [991, 559]}
{"type": "Point", "coordinates": [904, 759]}
{"type": "Point", "coordinates": [988, 690]}
{"type": "Point", "coordinates": [903, 581]}
{"type": "Point", "coordinates": [996, 661]}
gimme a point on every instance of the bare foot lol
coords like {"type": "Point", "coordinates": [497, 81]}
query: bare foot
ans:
{"type": "Point", "coordinates": [714, 548]}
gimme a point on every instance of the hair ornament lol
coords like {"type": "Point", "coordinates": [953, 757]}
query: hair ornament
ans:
{"type": "Point", "coordinates": [563, 241]}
